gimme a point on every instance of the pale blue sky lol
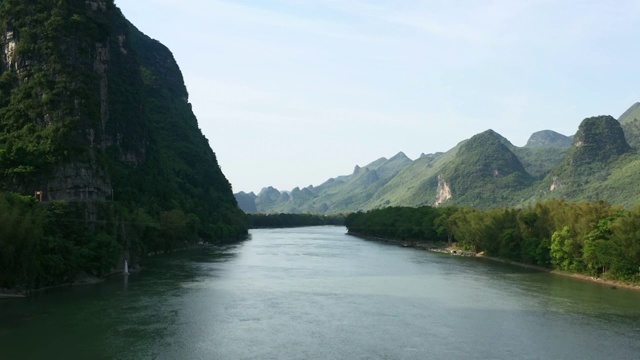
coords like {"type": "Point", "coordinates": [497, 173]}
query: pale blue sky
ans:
{"type": "Point", "coordinates": [293, 92]}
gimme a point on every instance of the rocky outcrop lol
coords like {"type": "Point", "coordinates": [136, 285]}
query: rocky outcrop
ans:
{"type": "Point", "coordinates": [598, 139]}
{"type": "Point", "coordinates": [555, 184]}
{"type": "Point", "coordinates": [78, 182]}
{"type": "Point", "coordinates": [443, 193]}
{"type": "Point", "coordinates": [96, 5]}
{"type": "Point", "coordinates": [599, 142]}
{"type": "Point", "coordinates": [100, 65]}
{"type": "Point", "coordinates": [9, 50]}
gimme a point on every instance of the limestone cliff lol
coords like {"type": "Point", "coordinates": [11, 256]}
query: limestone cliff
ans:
{"type": "Point", "coordinates": [598, 139]}
{"type": "Point", "coordinates": [443, 193]}
{"type": "Point", "coordinates": [91, 109]}
{"type": "Point", "coordinates": [597, 145]}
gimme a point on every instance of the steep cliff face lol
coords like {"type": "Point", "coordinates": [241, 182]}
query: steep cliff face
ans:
{"type": "Point", "coordinates": [598, 139]}
{"type": "Point", "coordinates": [50, 108]}
{"type": "Point", "coordinates": [92, 109]}
{"type": "Point", "coordinates": [443, 193]}
{"type": "Point", "coordinates": [597, 146]}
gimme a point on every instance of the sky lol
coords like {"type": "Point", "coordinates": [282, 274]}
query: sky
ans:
{"type": "Point", "coordinates": [290, 93]}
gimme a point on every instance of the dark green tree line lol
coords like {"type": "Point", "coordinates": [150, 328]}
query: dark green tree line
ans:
{"type": "Point", "coordinates": [593, 238]}
{"type": "Point", "coordinates": [257, 221]}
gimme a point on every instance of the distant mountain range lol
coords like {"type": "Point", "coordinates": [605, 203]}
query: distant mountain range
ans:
{"type": "Point", "coordinates": [600, 162]}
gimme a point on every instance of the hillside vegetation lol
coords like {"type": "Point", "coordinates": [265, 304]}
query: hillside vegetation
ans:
{"type": "Point", "coordinates": [95, 121]}
{"type": "Point", "coordinates": [595, 239]}
{"type": "Point", "coordinates": [485, 171]}
{"type": "Point", "coordinates": [630, 121]}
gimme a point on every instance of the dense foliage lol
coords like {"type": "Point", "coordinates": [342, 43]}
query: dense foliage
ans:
{"type": "Point", "coordinates": [591, 238]}
{"type": "Point", "coordinates": [43, 244]}
{"type": "Point", "coordinates": [486, 171]}
{"type": "Point", "coordinates": [402, 223]}
{"type": "Point", "coordinates": [630, 121]}
{"type": "Point", "coordinates": [46, 87]}
{"type": "Point", "coordinates": [94, 112]}
{"type": "Point", "coordinates": [257, 221]}
{"type": "Point", "coordinates": [335, 196]}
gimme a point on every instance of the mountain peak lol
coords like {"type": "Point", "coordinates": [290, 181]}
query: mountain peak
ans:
{"type": "Point", "coordinates": [548, 138]}
{"type": "Point", "coordinates": [400, 155]}
{"type": "Point", "coordinates": [491, 150]}
{"type": "Point", "coordinates": [598, 139]}
{"type": "Point", "coordinates": [490, 133]}
{"type": "Point", "coordinates": [483, 165]}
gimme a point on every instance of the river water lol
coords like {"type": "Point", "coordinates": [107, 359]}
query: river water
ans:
{"type": "Point", "coordinates": [316, 293]}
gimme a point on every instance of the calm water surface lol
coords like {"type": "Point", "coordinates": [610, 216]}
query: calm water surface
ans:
{"type": "Point", "coordinates": [315, 293]}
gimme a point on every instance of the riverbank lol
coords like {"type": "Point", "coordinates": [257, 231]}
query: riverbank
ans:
{"type": "Point", "coordinates": [582, 277]}
{"type": "Point", "coordinates": [81, 279]}
{"type": "Point", "coordinates": [453, 250]}
{"type": "Point", "coordinates": [5, 294]}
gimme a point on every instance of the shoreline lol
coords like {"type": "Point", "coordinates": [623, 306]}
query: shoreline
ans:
{"type": "Point", "coordinates": [11, 296]}
{"type": "Point", "coordinates": [582, 277]}
{"type": "Point", "coordinates": [85, 279]}
{"type": "Point", "coordinates": [446, 249]}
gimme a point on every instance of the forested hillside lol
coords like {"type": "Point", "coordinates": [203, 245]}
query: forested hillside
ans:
{"type": "Point", "coordinates": [485, 171]}
{"type": "Point", "coordinates": [95, 121]}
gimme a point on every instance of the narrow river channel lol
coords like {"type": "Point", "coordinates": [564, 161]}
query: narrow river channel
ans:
{"type": "Point", "coordinates": [316, 293]}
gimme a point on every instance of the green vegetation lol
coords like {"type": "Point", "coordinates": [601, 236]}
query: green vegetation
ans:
{"type": "Point", "coordinates": [95, 116]}
{"type": "Point", "coordinates": [258, 221]}
{"type": "Point", "coordinates": [592, 238]}
{"type": "Point", "coordinates": [484, 171]}
{"type": "Point", "coordinates": [401, 223]}
{"type": "Point", "coordinates": [540, 161]}
{"type": "Point", "coordinates": [335, 196]}
{"type": "Point", "coordinates": [548, 139]}
{"type": "Point", "coordinates": [630, 121]}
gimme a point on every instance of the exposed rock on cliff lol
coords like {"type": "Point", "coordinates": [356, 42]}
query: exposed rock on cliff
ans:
{"type": "Point", "coordinates": [91, 109]}
{"type": "Point", "coordinates": [443, 192]}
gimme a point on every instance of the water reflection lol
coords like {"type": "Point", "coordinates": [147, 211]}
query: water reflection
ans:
{"type": "Point", "coordinates": [316, 293]}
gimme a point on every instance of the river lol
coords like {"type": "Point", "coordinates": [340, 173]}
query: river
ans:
{"type": "Point", "coordinates": [316, 293]}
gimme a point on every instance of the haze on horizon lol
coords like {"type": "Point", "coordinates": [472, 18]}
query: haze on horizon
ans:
{"type": "Point", "coordinates": [290, 93]}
